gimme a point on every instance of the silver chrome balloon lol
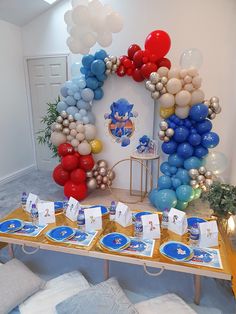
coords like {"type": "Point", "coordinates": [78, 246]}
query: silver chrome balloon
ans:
{"type": "Point", "coordinates": [170, 132]}
{"type": "Point", "coordinates": [193, 173]}
{"type": "Point", "coordinates": [202, 170]}
{"type": "Point", "coordinates": [163, 125]}
{"type": "Point", "coordinates": [154, 77]}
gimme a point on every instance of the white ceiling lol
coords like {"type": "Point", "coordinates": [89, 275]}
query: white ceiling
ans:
{"type": "Point", "coordinates": [21, 12]}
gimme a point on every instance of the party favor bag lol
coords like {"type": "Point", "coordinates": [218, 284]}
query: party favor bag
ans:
{"type": "Point", "coordinates": [123, 215]}
{"type": "Point", "coordinates": [177, 221]}
{"type": "Point", "coordinates": [93, 218]}
{"type": "Point", "coordinates": [151, 226]}
{"type": "Point", "coordinates": [208, 234]}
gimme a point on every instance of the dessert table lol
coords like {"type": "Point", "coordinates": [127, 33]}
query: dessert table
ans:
{"type": "Point", "coordinates": [95, 250]}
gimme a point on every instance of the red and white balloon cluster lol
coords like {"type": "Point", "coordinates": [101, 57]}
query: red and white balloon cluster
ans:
{"type": "Point", "coordinates": [91, 22]}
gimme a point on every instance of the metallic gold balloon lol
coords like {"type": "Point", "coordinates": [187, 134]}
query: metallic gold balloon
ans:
{"type": "Point", "coordinates": [95, 173]}
{"type": "Point", "coordinates": [91, 184]}
{"type": "Point", "coordinates": [99, 178]}
{"type": "Point", "coordinates": [166, 139]}
{"type": "Point", "coordinates": [96, 146]}
{"type": "Point", "coordinates": [66, 131]}
{"type": "Point", "coordinates": [193, 184]}
{"type": "Point", "coordinates": [109, 183]}
{"type": "Point", "coordinates": [102, 163]}
{"type": "Point", "coordinates": [208, 174]}
{"type": "Point", "coordinates": [150, 86]}
{"type": "Point", "coordinates": [166, 112]}
{"type": "Point", "coordinates": [193, 173]}
{"type": "Point", "coordinates": [200, 178]}
{"type": "Point", "coordinates": [58, 127]}
{"type": "Point", "coordinates": [64, 114]}
{"type": "Point", "coordinates": [89, 174]}
{"type": "Point", "coordinates": [208, 182]}
{"type": "Point", "coordinates": [111, 175]}
{"type": "Point", "coordinates": [214, 99]}
{"type": "Point", "coordinates": [170, 132]}
{"type": "Point", "coordinates": [159, 86]}
{"type": "Point", "coordinates": [164, 80]}
{"type": "Point", "coordinates": [105, 179]}
{"type": "Point", "coordinates": [155, 95]}
{"type": "Point", "coordinates": [103, 171]}
{"type": "Point", "coordinates": [59, 119]}
{"type": "Point", "coordinates": [103, 187]}
{"type": "Point", "coordinates": [154, 77]}
{"type": "Point", "coordinates": [71, 118]}
{"type": "Point", "coordinates": [163, 125]}
{"type": "Point", "coordinates": [95, 167]}
{"type": "Point", "coordinates": [66, 122]}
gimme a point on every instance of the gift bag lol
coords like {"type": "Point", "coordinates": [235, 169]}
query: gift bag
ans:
{"type": "Point", "coordinates": [93, 218]}
{"type": "Point", "coordinates": [151, 226]}
{"type": "Point", "coordinates": [177, 221]}
{"type": "Point", "coordinates": [208, 234]}
{"type": "Point", "coordinates": [123, 215]}
{"type": "Point", "coordinates": [72, 209]}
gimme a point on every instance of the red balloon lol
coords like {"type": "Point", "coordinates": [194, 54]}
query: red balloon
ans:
{"type": "Point", "coordinates": [121, 71]}
{"type": "Point", "coordinates": [164, 62]}
{"type": "Point", "coordinates": [129, 71]}
{"type": "Point", "coordinates": [65, 149]}
{"type": "Point", "coordinates": [77, 155]}
{"type": "Point", "coordinates": [78, 176]}
{"type": "Point", "coordinates": [60, 175]}
{"type": "Point", "coordinates": [138, 58]}
{"type": "Point", "coordinates": [132, 49]}
{"type": "Point", "coordinates": [86, 162]}
{"type": "Point", "coordinates": [137, 75]}
{"type": "Point", "coordinates": [70, 162]}
{"type": "Point", "coordinates": [158, 43]}
{"type": "Point", "coordinates": [147, 69]}
{"type": "Point", "coordinates": [153, 58]}
{"type": "Point", "coordinates": [123, 58]}
{"type": "Point", "coordinates": [127, 63]}
{"type": "Point", "coordinates": [78, 191]}
{"type": "Point", "coordinates": [146, 55]}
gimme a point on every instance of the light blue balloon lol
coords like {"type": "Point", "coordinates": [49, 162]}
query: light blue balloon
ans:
{"type": "Point", "coordinates": [75, 69]}
{"type": "Point", "coordinates": [175, 160]}
{"type": "Point", "coordinates": [72, 110]}
{"type": "Point", "coordinates": [183, 176]}
{"type": "Point", "coordinates": [81, 104]}
{"type": "Point", "coordinates": [184, 193]}
{"type": "Point", "coordinates": [98, 93]}
{"type": "Point", "coordinates": [83, 112]}
{"type": "Point", "coordinates": [61, 106]}
{"type": "Point", "coordinates": [175, 182]}
{"type": "Point", "coordinates": [165, 199]}
{"type": "Point", "coordinates": [70, 92]}
{"type": "Point", "coordinates": [91, 117]}
{"type": "Point", "coordinates": [82, 83]}
{"type": "Point", "coordinates": [164, 182]}
{"type": "Point", "coordinates": [152, 195]}
{"type": "Point", "coordinates": [192, 162]}
{"type": "Point", "coordinates": [77, 96]}
{"type": "Point", "coordinates": [85, 120]}
{"type": "Point", "coordinates": [70, 101]}
{"type": "Point", "coordinates": [87, 94]}
{"type": "Point", "coordinates": [78, 117]}
{"type": "Point", "coordinates": [68, 84]}
{"type": "Point", "coordinates": [165, 167]}
{"type": "Point", "coordinates": [64, 91]}
{"type": "Point", "coordinates": [173, 169]}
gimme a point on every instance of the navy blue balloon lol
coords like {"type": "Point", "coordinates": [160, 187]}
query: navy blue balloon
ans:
{"type": "Point", "coordinates": [181, 134]}
{"type": "Point", "coordinates": [200, 151]}
{"type": "Point", "coordinates": [165, 167]}
{"type": "Point", "coordinates": [185, 150]}
{"type": "Point", "coordinates": [198, 112]}
{"type": "Point", "coordinates": [204, 126]}
{"type": "Point", "coordinates": [210, 140]}
{"type": "Point", "coordinates": [175, 160]}
{"type": "Point", "coordinates": [194, 139]}
{"type": "Point", "coordinates": [164, 182]}
{"type": "Point", "coordinates": [169, 147]}
{"type": "Point", "coordinates": [92, 83]}
{"type": "Point", "coordinates": [87, 60]}
{"type": "Point", "coordinates": [98, 67]}
{"type": "Point", "coordinates": [98, 93]}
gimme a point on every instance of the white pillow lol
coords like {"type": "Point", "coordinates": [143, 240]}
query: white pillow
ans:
{"type": "Point", "coordinates": [54, 292]}
{"type": "Point", "coordinates": [169, 303]}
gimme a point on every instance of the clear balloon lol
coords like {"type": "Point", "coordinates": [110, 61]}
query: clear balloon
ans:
{"type": "Point", "coordinates": [191, 58]}
{"type": "Point", "coordinates": [216, 162]}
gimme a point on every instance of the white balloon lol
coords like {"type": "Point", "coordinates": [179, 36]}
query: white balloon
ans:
{"type": "Point", "coordinates": [197, 97]}
{"type": "Point", "coordinates": [107, 9]}
{"type": "Point", "coordinates": [182, 112]}
{"type": "Point", "coordinates": [105, 39]}
{"type": "Point", "coordinates": [114, 22]}
{"type": "Point", "coordinates": [197, 81]}
{"type": "Point", "coordinates": [192, 71]}
{"type": "Point", "coordinates": [173, 86]}
{"type": "Point", "coordinates": [189, 87]}
{"type": "Point", "coordinates": [81, 15]}
{"type": "Point", "coordinates": [57, 138]}
{"type": "Point", "coordinates": [191, 58]}
{"type": "Point", "coordinates": [84, 50]}
{"type": "Point", "coordinates": [167, 100]}
{"type": "Point", "coordinates": [84, 148]}
{"type": "Point", "coordinates": [183, 98]}
{"type": "Point", "coordinates": [74, 142]}
{"type": "Point", "coordinates": [163, 71]}
{"type": "Point", "coordinates": [73, 45]}
{"type": "Point", "coordinates": [216, 162]}
{"type": "Point", "coordinates": [173, 73]}
{"type": "Point", "coordinates": [74, 3]}
{"type": "Point", "coordinates": [90, 132]}
{"type": "Point", "coordinates": [68, 17]}
{"type": "Point", "coordinates": [94, 6]}
{"type": "Point", "coordinates": [89, 39]}
{"type": "Point", "coordinates": [98, 23]}
{"type": "Point", "coordinates": [183, 73]}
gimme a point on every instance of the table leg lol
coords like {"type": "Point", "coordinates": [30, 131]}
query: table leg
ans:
{"type": "Point", "coordinates": [10, 250]}
{"type": "Point", "coordinates": [197, 289]}
{"type": "Point", "coordinates": [106, 269]}
{"type": "Point", "coordinates": [130, 176]}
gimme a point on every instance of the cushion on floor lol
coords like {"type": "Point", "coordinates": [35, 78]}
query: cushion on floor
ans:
{"type": "Point", "coordinates": [17, 282]}
{"type": "Point", "coordinates": [168, 303]}
{"type": "Point", "coordinates": [105, 298]}
{"type": "Point", "coordinates": [55, 291]}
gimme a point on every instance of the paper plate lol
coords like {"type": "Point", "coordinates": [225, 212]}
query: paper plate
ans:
{"type": "Point", "coordinates": [115, 241]}
{"type": "Point", "coordinates": [104, 209]}
{"type": "Point", "coordinates": [194, 220]}
{"type": "Point", "coordinates": [80, 236]}
{"type": "Point", "coordinates": [137, 246]}
{"type": "Point", "coordinates": [177, 251]}
{"type": "Point", "coordinates": [11, 225]}
{"type": "Point", "coordinates": [60, 234]}
{"type": "Point", "coordinates": [139, 214]}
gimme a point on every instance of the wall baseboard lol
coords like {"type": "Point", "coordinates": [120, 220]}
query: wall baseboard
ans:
{"type": "Point", "coordinates": [15, 175]}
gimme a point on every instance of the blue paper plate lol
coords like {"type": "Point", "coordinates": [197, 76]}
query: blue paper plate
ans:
{"type": "Point", "coordinates": [194, 220]}
{"type": "Point", "coordinates": [137, 246]}
{"type": "Point", "coordinates": [11, 225]}
{"type": "Point", "coordinates": [80, 235]}
{"type": "Point", "coordinates": [115, 241]}
{"type": "Point", "coordinates": [139, 214]}
{"type": "Point", "coordinates": [60, 234]}
{"type": "Point", "coordinates": [104, 209]}
{"type": "Point", "coordinates": [176, 250]}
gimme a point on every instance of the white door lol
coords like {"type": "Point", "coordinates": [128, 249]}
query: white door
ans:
{"type": "Point", "coordinates": [46, 75]}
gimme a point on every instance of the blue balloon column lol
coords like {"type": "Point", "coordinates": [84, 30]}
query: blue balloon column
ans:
{"type": "Point", "coordinates": [188, 145]}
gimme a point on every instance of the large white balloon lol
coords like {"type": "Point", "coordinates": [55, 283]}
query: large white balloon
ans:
{"type": "Point", "coordinates": [197, 97]}
{"type": "Point", "coordinates": [216, 162]}
{"type": "Point", "coordinates": [114, 22]}
{"type": "Point", "coordinates": [105, 39]}
{"type": "Point", "coordinates": [167, 100]}
{"type": "Point", "coordinates": [68, 17]}
{"type": "Point", "coordinates": [57, 138]}
{"type": "Point", "coordinates": [191, 58]}
{"type": "Point", "coordinates": [89, 39]}
{"type": "Point", "coordinates": [81, 15]}
{"type": "Point", "coordinates": [183, 98]}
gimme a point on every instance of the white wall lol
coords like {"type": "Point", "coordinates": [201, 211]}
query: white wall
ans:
{"type": "Point", "coordinates": [207, 25]}
{"type": "Point", "coordinates": [16, 140]}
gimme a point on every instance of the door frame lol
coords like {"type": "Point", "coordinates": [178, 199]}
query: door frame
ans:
{"type": "Point", "coordinates": [28, 96]}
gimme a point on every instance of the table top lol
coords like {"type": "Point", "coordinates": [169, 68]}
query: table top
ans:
{"type": "Point", "coordinates": [95, 250]}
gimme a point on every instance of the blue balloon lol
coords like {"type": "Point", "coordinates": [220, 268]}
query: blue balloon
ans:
{"type": "Point", "coordinates": [85, 120]}
{"type": "Point", "coordinates": [81, 83]}
{"type": "Point", "coordinates": [184, 193]}
{"type": "Point", "coordinates": [183, 176]}
{"type": "Point", "coordinates": [165, 199]}
{"type": "Point", "coordinates": [69, 84]}
{"type": "Point", "coordinates": [83, 112]}
{"type": "Point", "coordinates": [200, 151]}
{"type": "Point", "coordinates": [61, 106]}
{"type": "Point", "coordinates": [101, 77]}
{"type": "Point", "coordinates": [194, 139]}
{"type": "Point", "coordinates": [91, 117]}
{"type": "Point", "coordinates": [98, 67]}
{"type": "Point", "coordinates": [181, 134]}
{"type": "Point", "coordinates": [78, 117]}
{"type": "Point", "coordinates": [164, 182]}
{"type": "Point", "coordinates": [81, 104]}
{"type": "Point", "coordinates": [152, 196]}
{"type": "Point", "coordinates": [210, 140]}
{"type": "Point", "coordinates": [169, 147]}
{"type": "Point", "coordinates": [198, 112]}
{"type": "Point", "coordinates": [92, 83]}
{"type": "Point", "coordinates": [100, 54]}
{"type": "Point", "coordinates": [70, 101]}
{"type": "Point", "coordinates": [100, 84]}
{"type": "Point", "coordinates": [173, 169]}
{"type": "Point", "coordinates": [75, 69]}
{"type": "Point", "coordinates": [77, 96]}
{"type": "Point", "coordinates": [98, 93]}
{"type": "Point", "coordinates": [175, 182]}
{"type": "Point", "coordinates": [192, 162]}
{"type": "Point", "coordinates": [165, 168]}
{"type": "Point", "coordinates": [185, 150]}
{"type": "Point", "coordinates": [70, 92]}
{"type": "Point", "coordinates": [87, 60]}
{"type": "Point", "coordinates": [64, 91]}
{"type": "Point", "coordinates": [72, 110]}
{"type": "Point", "coordinates": [187, 123]}
{"type": "Point", "coordinates": [87, 94]}
{"type": "Point", "coordinates": [204, 126]}
{"type": "Point", "coordinates": [175, 160]}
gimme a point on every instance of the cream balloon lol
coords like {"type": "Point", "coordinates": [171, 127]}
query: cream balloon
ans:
{"type": "Point", "coordinates": [89, 39]}
{"type": "Point", "coordinates": [182, 98]}
{"type": "Point", "coordinates": [192, 71]}
{"type": "Point", "coordinates": [163, 71]}
{"type": "Point", "coordinates": [80, 127]}
{"type": "Point", "coordinates": [74, 142]}
{"type": "Point", "coordinates": [105, 39]}
{"type": "Point", "coordinates": [73, 132]}
{"type": "Point", "coordinates": [173, 73]}
{"type": "Point", "coordinates": [197, 97]}
{"type": "Point", "coordinates": [114, 22]}
{"type": "Point", "coordinates": [57, 138]}
{"type": "Point", "coordinates": [182, 112]}
{"type": "Point", "coordinates": [197, 81]}
{"type": "Point", "coordinates": [173, 86]}
{"type": "Point", "coordinates": [167, 100]}
{"type": "Point", "coordinates": [89, 132]}
{"type": "Point", "coordinates": [102, 163]}
{"type": "Point", "coordinates": [81, 15]}
{"type": "Point", "coordinates": [183, 73]}
{"type": "Point", "coordinates": [72, 125]}
{"type": "Point", "coordinates": [80, 137]}
{"type": "Point", "coordinates": [84, 148]}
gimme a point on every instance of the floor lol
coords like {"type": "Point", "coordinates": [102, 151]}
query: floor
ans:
{"type": "Point", "coordinates": [216, 296]}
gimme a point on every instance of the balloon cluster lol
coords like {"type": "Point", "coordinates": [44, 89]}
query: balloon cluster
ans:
{"type": "Point", "coordinates": [90, 23]}
{"type": "Point", "coordinates": [112, 64]}
{"type": "Point", "coordinates": [201, 177]}
{"type": "Point", "coordinates": [71, 172]}
{"type": "Point", "coordinates": [141, 63]}
{"type": "Point", "coordinates": [157, 84]}
{"type": "Point", "coordinates": [100, 177]}
{"type": "Point", "coordinates": [165, 132]}
{"type": "Point", "coordinates": [214, 107]}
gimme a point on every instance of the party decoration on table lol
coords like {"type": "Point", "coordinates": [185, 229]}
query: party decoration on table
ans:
{"type": "Point", "coordinates": [72, 209]}
{"type": "Point", "coordinates": [176, 251]}
{"type": "Point", "coordinates": [151, 226]}
{"type": "Point", "coordinates": [115, 241]}
{"type": "Point", "coordinates": [91, 22]}
{"type": "Point", "coordinates": [60, 234]}
{"type": "Point", "coordinates": [146, 146]}
{"type": "Point", "coordinates": [100, 176]}
{"type": "Point", "coordinates": [123, 215]}
{"type": "Point", "coordinates": [31, 199]}
{"type": "Point", "coordinates": [104, 209]}
{"type": "Point", "coordinates": [139, 214]}
{"type": "Point", "coordinates": [46, 213]}
{"type": "Point", "coordinates": [144, 247]}
{"type": "Point", "coordinates": [30, 230]}
{"type": "Point", "coordinates": [120, 126]}
{"type": "Point", "coordinates": [177, 221]}
{"type": "Point", "coordinates": [194, 220]}
{"type": "Point", "coordinates": [11, 225]}
{"type": "Point", "coordinates": [206, 257]}
{"type": "Point", "coordinates": [82, 238]}
{"type": "Point", "coordinates": [201, 178]}
{"type": "Point", "coordinates": [208, 234]}
{"type": "Point", "coordinates": [93, 218]}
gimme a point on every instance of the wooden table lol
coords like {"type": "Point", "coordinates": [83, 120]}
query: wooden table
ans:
{"type": "Point", "coordinates": [94, 250]}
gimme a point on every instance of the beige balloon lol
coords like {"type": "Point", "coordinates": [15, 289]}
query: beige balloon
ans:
{"type": "Point", "coordinates": [182, 98]}
{"type": "Point", "coordinates": [105, 179]}
{"type": "Point", "coordinates": [84, 148]}
{"type": "Point", "coordinates": [57, 138]}
{"type": "Point", "coordinates": [90, 132]}
{"type": "Point", "coordinates": [167, 100]}
{"type": "Point", "coordinates": [182, 112]}
{"type": "Point", "coordinates": [102, 163]}
{"type": "Point", "coordinates": [103, 171]}
{"type": "Point", "coordinates": [72, 125]}
{"type": "Point", "coordinates": [173, 73]}
{"type": "Point", "coordinates": [192, 71]}
{"type": "Point", "coordinates": [163, 71]}
{"type": "Point", "coordinates": [74, 142]}
{"type": "Point", "coordinates": [173, 86]}
{"type": "Point", "coordinates": [197, 81]}
{"type": "Point", "coordinates": [80, 136]}
{"type": "Point", "coordinates": [91, 184]}
{"type": "Point", "coordinates": [103, 186]}
{"type": "Point", "coordinates": [73, 132]}
{"type": "Point", "coordinates": [80, 127]}
{"type": "Point", "coordinates": [183, 73]}
{"type": "Point", "coordinates": [197, 97]}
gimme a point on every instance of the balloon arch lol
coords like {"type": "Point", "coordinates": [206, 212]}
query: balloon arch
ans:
{"type": "Point", "coordinates": [185, 129]}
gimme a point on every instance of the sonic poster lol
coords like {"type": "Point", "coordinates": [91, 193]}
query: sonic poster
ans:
{"type": "Point", "coordinates": [121, 125]}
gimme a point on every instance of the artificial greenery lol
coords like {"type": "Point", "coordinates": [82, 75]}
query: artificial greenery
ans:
{"type": "Point", "coordinates": [222, 199]}
{"type": "Point", "coordinates": [45, 134]}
